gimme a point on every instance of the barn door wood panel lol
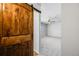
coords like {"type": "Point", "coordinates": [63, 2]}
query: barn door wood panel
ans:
{"type": "Point", "coordinates": [24, 21]}
{"type": "Point", "coordinates": [10, 20]}
{"type": "Point", "coordinates": [7, 20]}
{"type": "Point", "coordinates": [16, 20]}
{"type": "Point", "coordinates": [1, 28]}
{"type": "Point", "coordinates": [17, 29]}
{"type": "Point", "coordinates": [0, 20]}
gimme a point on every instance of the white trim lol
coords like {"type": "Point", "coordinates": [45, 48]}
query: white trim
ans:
{"type": "Point", "coordinates": [36, 51]}
{"type": "Point", "coordinates": [54, 37]}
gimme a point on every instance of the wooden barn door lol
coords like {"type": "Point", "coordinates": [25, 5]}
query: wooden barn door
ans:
{"type": "Point", "coordinates": [16, 29]}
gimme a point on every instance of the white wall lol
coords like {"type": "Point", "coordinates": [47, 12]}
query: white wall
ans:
{"type": "Point", "coordinates": [36, 30]}
{"type": "Point", "coordinates": [36, 5]}
{"type": "Point", "coordinates": [49, 10]}
{"type": "Point", "coordinates": [43, 30]}
{"type": "Point", "coordinates": [70, 28]}
{"type": "Point", "coordinates": [54, 29]}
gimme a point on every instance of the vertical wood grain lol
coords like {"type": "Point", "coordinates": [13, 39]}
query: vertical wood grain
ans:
{"type": "Point", "coordinates": [16, 22]}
